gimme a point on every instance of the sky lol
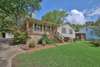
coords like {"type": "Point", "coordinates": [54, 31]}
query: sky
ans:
{"type": "Point", "coordinates": [78, 11]}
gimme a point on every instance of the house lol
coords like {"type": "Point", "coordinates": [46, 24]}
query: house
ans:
{"type": "Point", "coordinates": [7, 35]}
{"type": "Point", "coordinates": [90, 33]}
{"type": "Point", "coordinates": [66, 31]}
{"type": "Point", "coordinates": [36, 29]}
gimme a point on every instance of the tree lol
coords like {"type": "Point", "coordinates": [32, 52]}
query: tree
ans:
{"type": "Point", "coordinates": [96, 27]}
{"type": "Point", "coordinates": [55, 17]}
{"type": "Point", "coordinates": [6, 25]}
{"type": "Point", "coordinates": [76, 27]}
{"type": "Point", "coordinates": [18, 8]}
{"type": "Point", "coordinates": [13, 12]}
{"type": "Point", "coordinates": [89, 23]}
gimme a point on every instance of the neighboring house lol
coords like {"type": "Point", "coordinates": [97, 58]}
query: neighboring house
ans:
{"type": "Point", "coordinates": [9, 35]}
{"type": "Point", "coordinates": [36, 29]}
{"type": "Point", "coordinates": [90, 33]}
{"type": "Point", "coordinates": [66, 31]}
{"type": "Point", "coordinates": [6, 35]}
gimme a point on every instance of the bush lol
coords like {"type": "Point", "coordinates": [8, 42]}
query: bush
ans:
{"type": "Point", "coordinates": [51, 41]}
{"type": "Point", "coordinates": [96, 43]}
{"type": "Point", "coordinates": [20, 38]}
{"type": "Point", "coordinates": [32, 43]}
{"type": "Point", "coordinates": [45, 40]}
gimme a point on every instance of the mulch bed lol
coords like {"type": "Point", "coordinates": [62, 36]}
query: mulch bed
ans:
{"type": "Point", "coordinates": [40, 48]}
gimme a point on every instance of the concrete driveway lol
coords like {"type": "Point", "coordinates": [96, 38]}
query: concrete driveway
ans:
{"type": "Point", "coordinates": [6, 51]}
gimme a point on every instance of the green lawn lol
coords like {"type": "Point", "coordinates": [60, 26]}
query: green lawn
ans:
{"type": "Point", "coordinates": [78, 54]}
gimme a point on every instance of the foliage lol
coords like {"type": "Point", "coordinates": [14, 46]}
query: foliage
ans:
{"type": "Point", "coordinates": [94, 25]}
{"type": "Point", "coordinates": [7, 25]}
{"type": "Point", "coordinates": [76, 27]}
{"type": "Point", "coordinates": [90, 23]}
{"type": "Point", "coordinates": [20, 37]}
{"type": "Point", "coordinates": [16, 7]}
{"type": "Point", "coordinates": [32, 43]}
{"type": "Point", "coordinates": [16, 10]}
{"type": "Point", "coordinates": [97, 23]}
{"type": "Point", "coordinates": [97, 27]}
{"type": "Point", "coordinates": [45, 40]}
{"type": "Point", "coordinates": [55, 17]}
{"type": "Point", "coordinates": [96, 43]}
{"type": "Point", "coordinates": [77, 54]}
{"type": "Point", "coordinates": [51, 41]}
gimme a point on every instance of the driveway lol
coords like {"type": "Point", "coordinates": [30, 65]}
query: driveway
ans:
{"type": "Point", "coordinates": [6, 52]}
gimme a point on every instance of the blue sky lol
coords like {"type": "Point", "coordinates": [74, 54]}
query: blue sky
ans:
{"type": "Point", "coordinates": [84, 6]}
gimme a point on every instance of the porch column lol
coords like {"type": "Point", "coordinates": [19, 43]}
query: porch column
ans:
{"type": "Point", "coordinates": [33, 28]}
{"type": "Point", "coordinates": [41, 27]}
{"type": "Point", "coordinates": [52, 29]}
{"type": "Point", "coordinates": [35, 25]}
{"type": "Point", "coordinates": [27, 27]}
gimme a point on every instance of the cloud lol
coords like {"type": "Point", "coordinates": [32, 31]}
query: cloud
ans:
{"type": "Point", "coordinates": [94, 12]}
{"type": "Point", "coordinates": [76, 17]}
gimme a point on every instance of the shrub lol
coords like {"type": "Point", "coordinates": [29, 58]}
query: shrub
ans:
{"type": "Point", "coordinates": [51, 41]}
{"type": "Point", "coordinates": [20, 38]}
{"type": "Point", "coordinates": [32, 43]}
{"type": "Point", "coordinates": [45, 40]}
{"type": "Point", "coordinates": [96, 43]}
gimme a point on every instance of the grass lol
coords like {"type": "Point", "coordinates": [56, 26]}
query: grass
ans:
{"type": "Point", "coordinates": [78, 54]}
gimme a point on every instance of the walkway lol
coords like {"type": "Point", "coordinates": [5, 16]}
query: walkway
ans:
{"type": "Point", "coordinates": [6, 52]}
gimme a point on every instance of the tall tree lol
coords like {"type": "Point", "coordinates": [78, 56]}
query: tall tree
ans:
{"type": "Point", "coordinates": [76, 27]}
{"type": "Point", "coordinates": [13, 12]}
{"type": "Point", "coordinates": [18, 8]}
{"type": "Point", "coordinates": [97, 27]}
{"type": "Point", "coordinates": [55, 17]}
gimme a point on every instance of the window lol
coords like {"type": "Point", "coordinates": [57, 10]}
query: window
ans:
{"type": "Point", "coordinates": [70, 31]}
{"type": "Point", "coordinates": [91, 32]}
{"type": "Point", "coordinates": [64, 30]}
{"type": "Point", "coordinates": [37, 28]}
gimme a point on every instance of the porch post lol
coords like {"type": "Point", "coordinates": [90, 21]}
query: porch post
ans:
{"type": "Point", "coordinates": [42, 27]}
{"type": "Point", "coordinates": [33, 27]}
{"type": "Point", "coordinates": [27, 27]}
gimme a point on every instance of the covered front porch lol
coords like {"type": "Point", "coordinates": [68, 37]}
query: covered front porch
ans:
{"type": "Point", "coordinates": [39, 28]}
